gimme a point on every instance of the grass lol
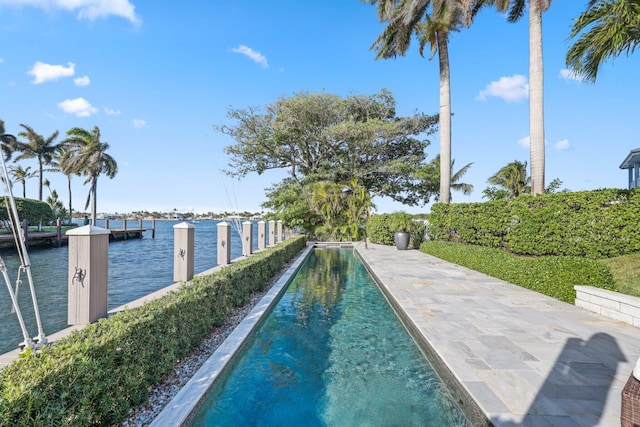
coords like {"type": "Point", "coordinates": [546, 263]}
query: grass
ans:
{"type": "Point", "coordinates": [626, 273]}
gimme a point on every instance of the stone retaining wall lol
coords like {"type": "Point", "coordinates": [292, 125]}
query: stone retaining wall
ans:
{"type": "Point", "coordinates": [610, 304]}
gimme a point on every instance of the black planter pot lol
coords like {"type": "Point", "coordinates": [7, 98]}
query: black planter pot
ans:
{"type": "Point", "coordinates": [402, 240]}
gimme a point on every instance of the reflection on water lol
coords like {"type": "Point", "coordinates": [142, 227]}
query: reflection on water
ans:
{"type": "Point", "coordinates": [137, 267]}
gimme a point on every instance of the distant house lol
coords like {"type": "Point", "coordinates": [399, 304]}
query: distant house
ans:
{"type": "Point", "coordinates": [632, 162]}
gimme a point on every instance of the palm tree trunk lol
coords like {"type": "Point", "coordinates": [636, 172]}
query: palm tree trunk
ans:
{"type": "Point", "coordinates": [536, 101]}
{"type": "Point", "coordinates": [94, 204]}
{"type": "Point", "coordinates": [39, 179]}
{"type": "Point", "coordinates": [445, 118]}
{"type": "Point", "coordinates": [70, 210]}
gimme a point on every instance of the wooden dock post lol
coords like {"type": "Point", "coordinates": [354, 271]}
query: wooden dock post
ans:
{"type": "Point", "coordinates": [153, 228]}
{"type": "Point", "coordinates": [183, 251]}
{"type": "Point", "coordinates": [58, 232]}
{"type": "Point", "coordinates": [224, 243]}
{"type": "Point", "coordinates": [272, 233]}
{"type": "Point", "coordinates": [262, 237]}
{"type": "Point", "coordinates": [88, 274]}
{"type": "Point", "coordinates": [247, 238]}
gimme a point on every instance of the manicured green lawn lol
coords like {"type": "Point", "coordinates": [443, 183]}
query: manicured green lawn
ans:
{"type": "Point", "coordinates": [626, 273]}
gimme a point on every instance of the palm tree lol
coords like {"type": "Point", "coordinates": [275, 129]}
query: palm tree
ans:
{"type": "Point", "coordinates": [513, 178]}
{"type": "Point", "coordinates": [21, 175]}
{"type": "Point", "coordinates": [612, 27]}
{"type": "Point", "coordinates": [536, 81]}
{"type": "Point", "coordinates": [406, 17]}
{"type": "Point", "coordinates": [91, 160]}
{"type": "Point", "coordinates": [62, 163]}
{"type": "Point", "coordinates": [37, 147]}
{"type": "Point", "coordinates": [430, 170]}
{"type": "Point", "coordinates": [7, 142]}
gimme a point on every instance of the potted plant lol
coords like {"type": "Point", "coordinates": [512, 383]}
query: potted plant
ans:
{"type": "Point", "coordinates": [400, 225]}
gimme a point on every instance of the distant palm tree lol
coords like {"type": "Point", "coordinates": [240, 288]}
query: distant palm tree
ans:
{"type": "Point", "coordinates": [91, 160]}
{"type": "Point", "coordinates": [431, 169]}
{"type": "Point", "coordinates": [36, 147]}
{"type": "Point", "coordinates": [62, 163]}
{"type": "Point", "coordinates": [432, 26]}
{"type": "Point", "coordinates": [612, 27]}
{"type": "Point", "coordinates": [21, 175]}
{"type": "Point", "coordinates": [7, 142]}
{"type": "Point", "coordinates": [513, 178]}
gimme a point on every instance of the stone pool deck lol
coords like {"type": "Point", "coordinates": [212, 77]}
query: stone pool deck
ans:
{"type": "Point", "coordinates": [524, 358]}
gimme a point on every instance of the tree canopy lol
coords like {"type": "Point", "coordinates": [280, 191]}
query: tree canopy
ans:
{"type": "Point", "coordinates": [324, 137]}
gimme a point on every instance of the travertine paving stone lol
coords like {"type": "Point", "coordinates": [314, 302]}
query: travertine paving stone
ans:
{"type": "Point", "coordinates": [525, 358]}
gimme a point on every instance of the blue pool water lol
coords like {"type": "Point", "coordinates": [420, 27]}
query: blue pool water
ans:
{"type": "Point", "coordinates": [331, 353]}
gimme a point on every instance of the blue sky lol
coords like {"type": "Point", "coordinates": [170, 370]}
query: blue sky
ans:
{"type": "Point", "coordinates": [156, 76]}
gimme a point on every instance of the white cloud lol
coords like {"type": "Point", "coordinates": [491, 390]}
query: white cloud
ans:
{"type": "Point", "coordinates": [562, 145]}
{"type": "Point", "coordinates": [256, 57]}
{"type": "Point", "coordinates": [87, 9]}
{"type": "Point", "coordinates": [111, 112]}
{"type": "Point", "coordinates": [139, 123]}
{"type": "Point", "coordinates": [82, 81]}
{"type": "Point", "coordinates": [514, 88]}
{"type": "Point", "coordinates": [1, 61]}
{"type": "Point", "coordinates": [46, 72]}
{"type": "Point", "coordinates": [79, 106]}
{"type": "Point", "coordinates": [525, 142]}
{"type": "Point", "coordinates": [571, 75]}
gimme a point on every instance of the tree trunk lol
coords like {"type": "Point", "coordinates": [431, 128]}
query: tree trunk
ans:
{"type": "Point", "coordinates": [70, 211]}
{"type": "Point", "coordinates": [94, 204]}
{"type": "Point", "coordinates": [445, 118]}
{"type": "Point", "coordinates": [536, 98]}
{"type": "Point", "coordinates": [39, 179]}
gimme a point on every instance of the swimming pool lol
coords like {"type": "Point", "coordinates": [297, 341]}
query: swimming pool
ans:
{"type": "Point", "coordinates": [331, 352]}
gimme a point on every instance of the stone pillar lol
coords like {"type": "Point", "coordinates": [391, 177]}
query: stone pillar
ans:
{"type": "Point", "coordinates": [262, 236]}
{"type": "Point", "coordinates": [272, 233]}
{"type": "Point", "coordinates": [88, 274]}
{"type": "Point", "coordinates": [183, 251]}
{"type": "Point", "coordinates": [247, 238]}
{"type": "Point", "coordinates": [279, 228]}
{"type": "Point", "coordinates": [224, 243]}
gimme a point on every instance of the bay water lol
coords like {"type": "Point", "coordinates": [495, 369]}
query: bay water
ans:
{"type": "Point", "coordinates": [137, 267]}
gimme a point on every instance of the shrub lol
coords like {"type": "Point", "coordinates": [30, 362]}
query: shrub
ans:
{"type": "Point", "coordinates": [379, 229]}
{"type": "Point", "coordinates": [554, 276]}
{"type": "Point", "coordinates": [593, 224]}
{"type": "Point", "coordinates": [93, 376]}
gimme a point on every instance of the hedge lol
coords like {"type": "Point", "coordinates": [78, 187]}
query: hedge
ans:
{"type": "Point", "coordinates": [93, 376]}
{"type": "Point", "coordinates": [554, 276]}
{"type": "Point", "coordinates": [593, 224]}
{"type": "Point", "coordinates": [34, 211]}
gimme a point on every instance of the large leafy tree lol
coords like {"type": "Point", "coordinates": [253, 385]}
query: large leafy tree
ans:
{"type": "Point", "coordinates": [605, 30]}
{"type": "Point", "coordinates": [37, 147]}
{"type": "Point", "coordinates": [323, 137]}
{"type": "Point", "coordinates": [517, 10]}
{"type": "Point", "coordinates": [431, 21]}
{"type": "Point", "coordinates": [91, 160]}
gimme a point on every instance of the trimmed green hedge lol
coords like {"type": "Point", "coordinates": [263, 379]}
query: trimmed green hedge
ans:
{"type": "Point", "coordinates": [554, 276]}
{"type": "Point", "coordinates": [379, 229]}
{"type": "Point", "coordinates": [594, 224]}
{"type": "Point", "coordinates": [34, 211]}
{"type": "Point", "coordinates": [93, 376]}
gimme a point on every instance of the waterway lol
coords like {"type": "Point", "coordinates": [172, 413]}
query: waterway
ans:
{"type": "Point", "coordinates": [137, 267]}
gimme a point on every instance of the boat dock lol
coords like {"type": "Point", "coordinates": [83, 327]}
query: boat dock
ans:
{"type": "Point", "coordinates": [59, 238]}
